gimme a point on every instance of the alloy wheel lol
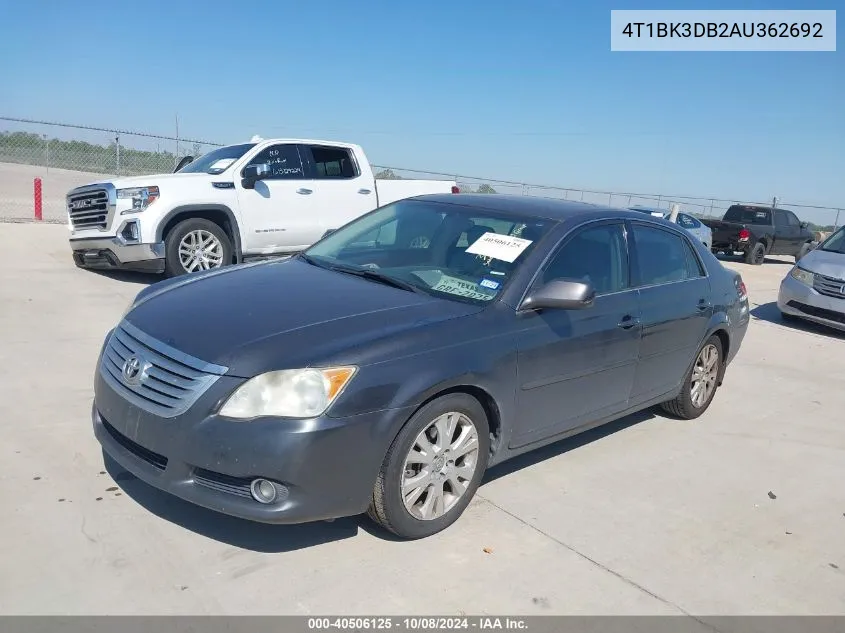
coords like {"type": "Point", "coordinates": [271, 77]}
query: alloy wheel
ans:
{"type": "Point", "coordinates": [704, 375]}
{"type": "Point", "coordinates": [200, 250]}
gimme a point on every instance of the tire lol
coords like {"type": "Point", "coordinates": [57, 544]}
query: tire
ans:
{"type": "Point", "coordinates": [388, 507]}
{"type": "Point", "coordinates": [685, 406]}
{"type": "Point", "coordinates": [181, 235]}
{"type": "Point", "coordinates": [756, 255]}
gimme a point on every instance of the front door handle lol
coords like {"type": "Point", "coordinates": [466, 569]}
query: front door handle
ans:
{"type": "Point", "coordinates": [364, 191]}
{"type": "Point", "coordinates": [304, 191]}
{"type": "Point", "coordinates": [628, 322]}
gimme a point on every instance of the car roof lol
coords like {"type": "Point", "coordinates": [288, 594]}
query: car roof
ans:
{"type": "Point", "coordinates": [531, 206]}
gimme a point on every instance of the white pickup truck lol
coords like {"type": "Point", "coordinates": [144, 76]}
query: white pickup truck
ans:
{"type": "Point", "coordinates": [265, 197]}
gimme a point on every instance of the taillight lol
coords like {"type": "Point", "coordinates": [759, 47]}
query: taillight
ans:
{"type": "Point", "coordinates": [744, 234]}
{"type": "Point", "coordinates": [455, 189]}
{"type": "Point", "coordinates": [741, 290]}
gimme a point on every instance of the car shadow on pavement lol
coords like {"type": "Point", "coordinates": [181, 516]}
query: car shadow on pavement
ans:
{"type": "Point", "coordinates": [564, 446]}
{"type": "Point", "coordinates": [129, 277]}
{"type": "Point", "coordinates": [770, 312]}
{"type": "Point", "coordinates": [249, 535]}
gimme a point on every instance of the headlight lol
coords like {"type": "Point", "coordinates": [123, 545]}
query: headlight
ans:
{"type": "Point", "coordinates": [804, 276]}
{"type": "Point", "coordinates": [288, 393]}
{"type": "Point", "coordinates": [141, 198]}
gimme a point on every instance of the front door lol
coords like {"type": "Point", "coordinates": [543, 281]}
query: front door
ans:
{"type": "Point", "coordinates": [277, 211]}
{"type": "Point", "coordinates": [578, 366]}
{"type": "Point", "coordinates": [674, 296]}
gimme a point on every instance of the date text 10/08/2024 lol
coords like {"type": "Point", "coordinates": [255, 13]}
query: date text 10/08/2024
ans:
{"type": "Point", "coordinates": [723, 29]}
{"type": "Point", "coordinates": [416, 623]}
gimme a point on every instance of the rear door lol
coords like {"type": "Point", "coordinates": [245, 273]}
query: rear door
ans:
{"type": "Point", "coordinates": [674, 299]}
{"type": "Point", "coordinates": [340, 190]}
{"type": "Point", "coordinates": [786, 235]}
{"type": "Point", "coordinates": [276, 211]}
{"type": "Point", "coordinates": [798, 236]}
{"type": "Point", "coordinates": [578, 366]}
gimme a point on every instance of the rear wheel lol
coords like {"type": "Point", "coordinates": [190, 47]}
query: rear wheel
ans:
{"type": "Point", "coordinates": [194, 245]}
{"type": "Point", "coordinates": [701, 382]}
{"type": "Point", "coordinates": [756, 255]}
{"type": "Point", "coordinates": [433, 468]}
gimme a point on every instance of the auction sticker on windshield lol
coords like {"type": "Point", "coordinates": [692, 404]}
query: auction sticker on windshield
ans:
{"type": "Point", "coordinates": [504, 247]}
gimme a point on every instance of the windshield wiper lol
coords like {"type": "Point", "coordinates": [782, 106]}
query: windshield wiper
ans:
{"type": "Point", "coordinates": [311, 260]}
{"type": "Point", "coordinates": [373, 275]}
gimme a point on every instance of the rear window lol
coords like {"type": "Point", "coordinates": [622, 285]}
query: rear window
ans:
{"type": "Point", "coordinates": [748, 215]}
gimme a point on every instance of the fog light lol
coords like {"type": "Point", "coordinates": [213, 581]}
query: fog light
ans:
{"type": "Point", "coordinates": [130, 232]}
{"type": "Point", "coordinates": [265, 491]}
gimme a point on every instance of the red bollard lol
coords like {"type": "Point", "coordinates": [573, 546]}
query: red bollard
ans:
{"type": "Point", "coordinates": [39, 212]}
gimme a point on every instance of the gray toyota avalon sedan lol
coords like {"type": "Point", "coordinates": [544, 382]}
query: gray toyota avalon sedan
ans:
{"type": "Point", "coordinates": [387, 367]}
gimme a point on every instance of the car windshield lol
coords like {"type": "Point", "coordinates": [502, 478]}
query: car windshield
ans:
{"type": "Point", "coordinates": [445, 250]}
{"type": "Point", "coordinates": [748, 215]}
{"type": "Point", "coordinates": [835, 243]}
{"type": "Point", "coordinates": [217, 161]}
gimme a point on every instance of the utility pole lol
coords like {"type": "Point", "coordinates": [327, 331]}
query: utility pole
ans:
{"type": "Point", "coordinates": [176, 158]}
{"type": "Point", "coordinates": [775, 202]}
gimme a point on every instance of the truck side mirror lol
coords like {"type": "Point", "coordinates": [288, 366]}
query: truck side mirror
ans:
{"type": "Point", "coordinates": [253, 173]}
{"type": "Point", "coordinates": [804, 225]}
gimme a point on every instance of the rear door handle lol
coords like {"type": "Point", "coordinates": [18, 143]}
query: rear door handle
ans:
{"type": "Point", "coordinates": [628, 322]}
{"type": "Point", "coordinates": [364, 191]}
{"type": "Point", "coordinates": [304, 191]}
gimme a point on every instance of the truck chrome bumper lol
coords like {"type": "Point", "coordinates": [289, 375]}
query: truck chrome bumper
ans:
{"type": "Point", "coordinates": [115, 253]}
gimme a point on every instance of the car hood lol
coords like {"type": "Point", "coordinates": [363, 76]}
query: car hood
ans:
{"type": "Point", "coordinates": [825, 263]}
{"type": "Point", "coordinates": [281, 314]}
{"type": "Point", "coordinates": [148, 181]}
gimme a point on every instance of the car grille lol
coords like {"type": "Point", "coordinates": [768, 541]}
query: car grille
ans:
{"type": "Point", "coordinates": [830, 286]}
{"type": "Point", "coordinates": [168, 382]}
{"type": "Point", "coordinates": [88, 209]}
{"type": "Point", "coordinates": [239, 486]}
{"type": "Point", "coordinates": [153, 459]}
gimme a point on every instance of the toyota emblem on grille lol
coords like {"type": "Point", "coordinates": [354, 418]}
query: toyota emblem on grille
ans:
{"type": "Point", "coordinates": [134, 370]}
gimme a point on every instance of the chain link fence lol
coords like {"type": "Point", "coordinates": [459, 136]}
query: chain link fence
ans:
{"type": "Point", "coordinates": [67, 156]}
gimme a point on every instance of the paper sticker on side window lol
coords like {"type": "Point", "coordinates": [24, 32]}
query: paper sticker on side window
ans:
{"type": "Point", "coordinates": [504, 247]}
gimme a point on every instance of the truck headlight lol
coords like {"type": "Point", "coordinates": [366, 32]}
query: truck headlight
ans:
{"type": "Point", "coordinates": [804, 276]}
{"type": "Point", "coordinates": [288, 393]}
{"type": "Point", "coordinates": [141, 198]}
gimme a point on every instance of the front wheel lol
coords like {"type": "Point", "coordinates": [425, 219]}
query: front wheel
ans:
{"type": "Point", "coordinates": [700, 384]}
{"type": "Point", "coordinates": [194, 245]}
{"type": "Point", "coordinates": [433, 468]}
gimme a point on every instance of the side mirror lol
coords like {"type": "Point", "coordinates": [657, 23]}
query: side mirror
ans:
{"type": "Point", "coordinates": [185, 160]}
{"type": "Point", "coordinates": [804, 225]}
{"type": "Point", "coordinates": [254, 173]}
{"type": "Point", "coordinates": [563, 294]}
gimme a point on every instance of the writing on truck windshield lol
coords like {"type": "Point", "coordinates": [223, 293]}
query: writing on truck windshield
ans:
{"type": "Point", "coordinates": [748, 215]}
{"type": "Point", "coordinates": [443, 250]}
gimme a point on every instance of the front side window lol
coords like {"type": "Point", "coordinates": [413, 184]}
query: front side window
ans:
{"type": "Point", "coordinates": [444, 250]}
{"type": "Point", "coordinates": [662, 257]}
{"type": "Point", "coordinates": [792, 219]}
{"type": "Point", "coordinates": [284, 161]}
{"type": "Point", "coordinates": [597, 255]}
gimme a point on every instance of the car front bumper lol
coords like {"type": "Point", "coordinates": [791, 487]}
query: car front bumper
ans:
{"type": "Point", "coordinates": [328, 466]}
{"type": "Point", "coordinates": [115, 253]}
{"type": "Point", "coordinates": [800, 300]}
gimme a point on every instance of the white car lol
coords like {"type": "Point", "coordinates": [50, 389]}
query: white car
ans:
{"type": "Point", "coordinates": [265, 197]}
{"type": "Point", "coordinates": [685, 220]}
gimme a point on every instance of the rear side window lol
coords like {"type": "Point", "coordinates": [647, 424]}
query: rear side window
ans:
{"type": "Point", "coordinates": [748, 215]}
{"type": "Point", "coordinates": [662, 257]}
{"type": "Point", "coordinates": [332, 162]}
{"type": "Point", "coordinates": [687, 221]}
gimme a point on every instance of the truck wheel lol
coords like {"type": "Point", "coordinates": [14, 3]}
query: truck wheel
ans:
{"type": "Point", "coordinates": [433, 468]}
{"type": "Point", "coordinates": [194, 245]}
{"type": "Point", "coordinates": [700, 384]}
{"type": "Point", "coordinates": [756, 255]}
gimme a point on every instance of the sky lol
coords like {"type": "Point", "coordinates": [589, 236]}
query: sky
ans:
{"type": "Point", "coordinates": [526, 91]}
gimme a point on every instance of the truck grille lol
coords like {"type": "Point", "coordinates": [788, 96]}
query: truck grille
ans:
{"type": "Point", "coordinates": [830, 286]}
{"type": "Point", "coordinates": [154, 376]}
{"type": "Point", "coordinates": [88, 209]}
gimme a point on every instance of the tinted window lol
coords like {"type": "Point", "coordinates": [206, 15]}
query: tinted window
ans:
{"type": "Point", "coordinates": [597, 255]}
{"type": "Point", "coordinates": [445, 250]}
{"type": "Point", "coordinates": [780, 218]}
{"type": "Point", "coordinates": [792, 219]}
{"type": "Point", "coordinates": [662, 257]}
{"type": "Point", "coordinates": [687, 221]}
{"type": "Point", "coordinates": [835, 243]}
{"type": "Point", "coordinates": [748, 215]}
{"type": "Point", "coordinates": [332, 162]}
{"type": "Point", "coordinates": [694, 267]}
{"type": "Point", "coordinates": [284, 161]}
